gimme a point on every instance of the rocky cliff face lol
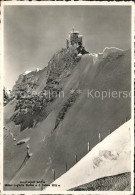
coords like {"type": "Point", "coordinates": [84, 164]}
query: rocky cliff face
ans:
{"type": "Point", "coordinates": [29, 82]}
{"type": "Point", "coordinates": [35, 90]}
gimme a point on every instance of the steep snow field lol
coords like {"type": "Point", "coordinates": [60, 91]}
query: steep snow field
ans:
{"type": "Point", "coordinates": [109, 157]}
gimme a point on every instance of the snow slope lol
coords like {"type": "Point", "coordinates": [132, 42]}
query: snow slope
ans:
{"type": "Point", "coordinates": [109, 157]}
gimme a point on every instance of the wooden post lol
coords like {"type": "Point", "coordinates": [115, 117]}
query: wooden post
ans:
{"type": "Point", "coordinates": [110, 131]}
{"type": "Point", "coordinates": [53, 170]}
{"type": "Point", "coordinates": [76, 158]}
{"type": "Point", "coordinates": [66, 167]}
{"type": "Point", "coordinates": [100, 137]}
{"type": "Point", "coordinates": [41, 184]}
{"type": "Point", "coordinates": [88, 146]}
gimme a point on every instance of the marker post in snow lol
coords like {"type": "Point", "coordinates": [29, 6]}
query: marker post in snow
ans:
{"type": "Point", "coordinates": [41, 184]}
{"type": "Point", "coordinates": [100, 137]}
{"type": "Point", "coordinates": [76, 158]}
{"type": "Point", "coordinates": [66, 167]}
{"type": "Point", "coordinates": [53, 170]}
{"type": "Point", "coordinates": [88, 146]}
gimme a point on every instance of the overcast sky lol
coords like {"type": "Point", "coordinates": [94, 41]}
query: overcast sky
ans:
{"type": "Point", "coordinates": [32, 34]}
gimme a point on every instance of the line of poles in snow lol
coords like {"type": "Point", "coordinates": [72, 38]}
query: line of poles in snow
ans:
{"type": "Point", "coordinates": [100, 138]}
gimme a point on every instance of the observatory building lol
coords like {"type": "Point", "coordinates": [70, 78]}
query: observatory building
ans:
{"type": "Point", "coordinates": [74, 39]}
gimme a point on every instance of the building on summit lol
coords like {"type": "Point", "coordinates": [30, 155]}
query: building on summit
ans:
{"type": "Point", "coordinates": [76, 40]}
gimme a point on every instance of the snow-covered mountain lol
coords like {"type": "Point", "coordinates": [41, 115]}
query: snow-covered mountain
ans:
{"type": "Point", "coordinates": [58, 127]}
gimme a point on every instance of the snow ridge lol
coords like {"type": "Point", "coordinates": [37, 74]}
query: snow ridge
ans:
{"type": "Point", "coordinates": [27, 72]}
